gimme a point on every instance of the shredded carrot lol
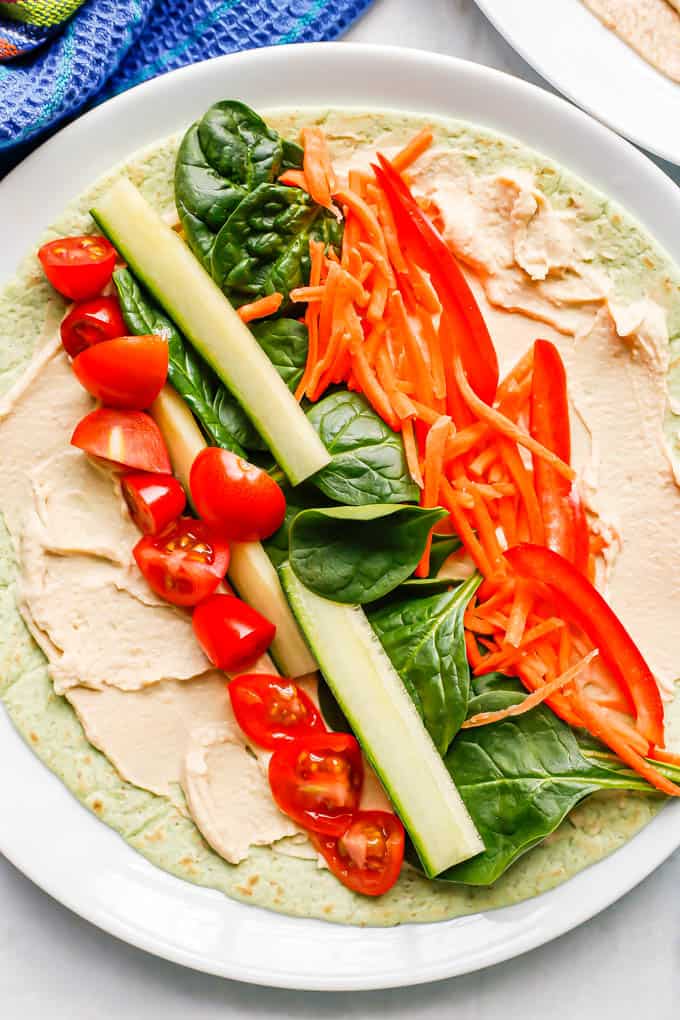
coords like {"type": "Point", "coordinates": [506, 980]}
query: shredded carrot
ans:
{"type": "Point", "coordinates": [389, 234]}
{"type": "Point", "coordinates": [259, 309]}
{"type": "Point", "coordinates": [373, 391]}
{"type": "Point", "coordinates": [426, 414]}
{"type": "Point", "coordinates": [447, 495]}
{"type": "Point", "coordinates": [424, 292]}
{"type": "Point", "coordinates": [294, 178]}
{"type": "Point", "coordinates": [379, 259]}
{"type": "Point", "coordinates": [316, 257]}
{"type": "Point", "coordinates": [478, 625]}
{"type": "Point", "coordinates": [435, 444]}
{"type": "Point", "coordinates": [508, 655]}
{"type": "Point", "coordinates": [506, 427]}
{"type": "Point", "coordinates": [483, 461]}
{"type": "Point", "coordinates": [474, 655]}
{"type": "Point", "coordinates": [465, 440]}
{"type": "Point", "coordinates": [411, 451]}
{"type": "Point", "coordinates": [659, 754]}
{"type": "Point", "coordinates": [378, 301]}
{"type": "Point", "coordinates": [420, 372]}
{"type": "Point", "coordinates": [517, 374]}
{"type": "Point", "coordinates": [525, 486]}
{"type": "Point", "coordinates": [375, 340]}
{"type": "Point", "coordinates": [521, 606]}
{"type": "Point", "coordinates": [365, 215]}
{"type": "Point", "coordinates": [531, 700]}
{"type": "Point", "coordinates": [431, 338]}
{"type": "Point", "coordinates": [419, 144]}
{"type": "Point", "coordinates": [304, 294]}
{"type": "Point", "coordinates": [317, 166]}
{"type": "Point", "coordinates": [402, 404]}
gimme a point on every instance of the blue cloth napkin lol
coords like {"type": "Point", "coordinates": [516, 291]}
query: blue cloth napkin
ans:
{"type": "Point", "coordinates": [108, 46]}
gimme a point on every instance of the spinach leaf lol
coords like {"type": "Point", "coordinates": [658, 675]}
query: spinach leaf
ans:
{"type": "Point", "coordinates": [264, 245]}
{"type": "Point", "coordinates": [369, 465]}
{"type": "Point", "coordinates": [359, 554]}
{"type": "Point", "coordinates": [285, 343]}
{"type": "Point", "coordinates": [297, 499]}
{"type": "Point", "coordinates": [221, 158]}
{"type": "Point", "coordinates": [442, 547]}
{"type": "Point", "coordinates": [519, 779]}
{"type": "Point", "coordinates": [425, 641]}
{"type": "Point", "coordinates": [223, 419]}
{"type": "Point", "coordinates": [293, 155]}
{"type": "Point", "coordinates": [221, 416]}
{"type": "Point", "coordinates": [417, 587]}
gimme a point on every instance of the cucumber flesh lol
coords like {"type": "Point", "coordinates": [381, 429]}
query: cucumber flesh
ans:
{"type": "Point", "coordinates": [250, 570]}
{"type": "Point", "coordinates": [164, 263]}
{"type": "Point", "coordinates": [387, 724]}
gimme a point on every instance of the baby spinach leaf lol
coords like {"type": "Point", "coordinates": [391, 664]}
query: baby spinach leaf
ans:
{"type": "Point", "coordinates": [425, 641]}
{"type": "Point", "coordinates": [222, 418]}
{"type": "Point", "coordinates": [418, 587]}
{"type": "Point", "coordinates": [297, 499]}
{"type": "Point", "coordinates": [359, 554]}
{"type": "Point", "coordinates": [442, 547]}
{"type": "Point", "coordinates": [293, 155]}
{"type": "Point", "coordinates": [519, 779]}
{"type": "Point", "coordinates": [285, 343]}
{"type": "Point", "coordinates": [221, 158]}
{"type": "Point", "coordinates": [264, 245]}
{"type": "Point", "coordinates": [369, 465]}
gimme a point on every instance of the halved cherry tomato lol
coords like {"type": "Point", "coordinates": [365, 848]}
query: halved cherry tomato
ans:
{"type": "Point", "coordinates": [184, 563]}
{"type": "Point", "coordinates": [154, 500]}
{"type": "Point", "coordinates": [231, 633]}
{"type": "Point", "coordinates": [237, 497]}
{"type": "Point", "coordinates": [90, 322]}
{"type": "Point", "coordinates": [272, 710]}
{"type": "Point", "coordinates": [368, 856]}
{"type": "Point", "coordinates": [78, 267]}
{"type": "Point", "coordinates": [128, 372]}
{"type": "Point", "coordinates": [317, 781]}
{"type": "Point", "coordinates": [126, 438]}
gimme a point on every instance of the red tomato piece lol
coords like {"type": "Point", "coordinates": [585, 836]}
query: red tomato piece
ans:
{"type": "Point", "coordinates": [154, 500]}
{"type": "Point", "coordinates": [237, 497]}
{"type": "Point", "coordinates": [368, 856]}
{"type": "Point", "coordinates": [272, 710]}
{"type": "Point", "coordinates": [128, 373]}
{"type": "Point", "coordinates": [231, 633]}
{"type": "Point", "coordinates": [78, 267]}
{"type": "Point", "coordinates": [90, 322]}
{"type": "Point", "coordinates": [184, 563]}
{"type": "Point", "coordinates": [317, 781]}
{"type": "Point", "coordinates": [126, 438]}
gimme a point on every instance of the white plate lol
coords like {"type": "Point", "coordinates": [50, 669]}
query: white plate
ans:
{"type": "Point", "coordinates": [574, 51]}
{"type": "Point", "coordinates": [51, 837]}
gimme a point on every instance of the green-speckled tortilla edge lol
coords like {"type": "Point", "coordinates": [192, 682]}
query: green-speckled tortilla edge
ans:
{"type": "Point", "coordinates": [151, 824]}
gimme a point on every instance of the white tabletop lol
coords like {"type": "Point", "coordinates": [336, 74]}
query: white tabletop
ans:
{"type": "Point", "coordinates": [624, 963]}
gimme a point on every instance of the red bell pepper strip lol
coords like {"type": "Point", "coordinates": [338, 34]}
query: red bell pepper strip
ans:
{"type": "Point", "coordinates": [429, 249]}
{"type": "Point", "coordinates": [564, 520]}
{"type": "Point", "coordinates": [581, 604]}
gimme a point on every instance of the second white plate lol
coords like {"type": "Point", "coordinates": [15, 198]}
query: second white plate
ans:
{"type": "Point", "coordinates": [587, 62]}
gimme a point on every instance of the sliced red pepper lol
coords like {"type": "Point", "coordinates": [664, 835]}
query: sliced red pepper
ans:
{"type": "Point", "coordinates": [581, 604]}
{"type": "Point", "coordinates": [429, 249]}
{"type": "Point", "coordinates": [564, 520]}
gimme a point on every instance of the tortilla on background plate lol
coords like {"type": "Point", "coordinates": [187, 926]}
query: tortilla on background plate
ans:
{"type": "Point", "coordinates": [473, 167]}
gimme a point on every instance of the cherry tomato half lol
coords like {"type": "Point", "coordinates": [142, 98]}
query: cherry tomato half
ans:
{"type": "Point", "coordinates": [317, 781]}
{"type": "Point", "coordinates": [90, 322]}
{"type": "Point", "coordinates": [231, 633]}
{"type": "Point", "coordinates": [184, 563]}
{"type": "Point", "coordinates": [272, 710]}
{"type": "Point", "coordinates": [78, 267]}
{"type": "Point", "coordinates": [127, 438]}
{"type": "Point", "coordinates": [237, 497]}
{"type": "Point", "coordinates": [154, 500]}
{"type": "Point", "coordinates": [368, 856]}
{"type": "Point", "coordinates": [128, 373]}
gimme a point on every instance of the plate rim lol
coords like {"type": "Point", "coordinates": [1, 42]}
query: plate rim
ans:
{"type": "Point", "coordinates": [494, 13]}
{"type": "Point", "coordinates": [662, 836]}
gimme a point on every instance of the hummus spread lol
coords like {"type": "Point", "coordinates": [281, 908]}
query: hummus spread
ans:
{"type": "Point", "coordinates": [651, 27]}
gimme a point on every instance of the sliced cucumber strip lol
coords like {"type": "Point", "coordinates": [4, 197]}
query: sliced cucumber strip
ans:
{"type": "Point", "coordinates": [167, 267]}
{"type": "Point", "coordinates": [250, 569]}
{"type": "Point", "coordinates": [387, 724]}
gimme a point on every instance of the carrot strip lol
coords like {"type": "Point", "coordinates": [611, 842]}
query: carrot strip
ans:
{"type": "Point", "coordinates": [294, 178]}
{"type": "Point", "coordinates": [485, 526]}
{"type": "Point", "coordinates": [464, 440]}
{"type": "Point", "coordinates": [434, 347]}
{"type": "Point", "coordinates": [411, 451]}
{"type": "Point", "coordinates": [317, 166]}
{"type": "Point", "coordinates": [483, 461]}
{"type": "Point", "coordinates": [658, 754]}
{"type": "Point", "coordinates": [525, 487]}
{"type": "Point", "coordinates": [435, 444]}
{"type": "Point", "coordinates": [378, 301]}
{"type": "Point", "coordinates": [304, 294]}
{"type": "Point", "coordinates": [391, 238]}
{"type": "Point", "coordinates": [477, 625]}
{"type": "Point", "coordinates": [419, 144]}
{"type": "Point", "coordinates": [467, 536]}
{"type": "Point", "coordinates": [420, 372]}
{"type": "Point", "coordinates": [424, 292]}
{"type": "Point", "coordinates": [521, 606]}
{"type": "Point", "coordinates": [375, 340]}
{"type": "Point", "coordinates": [531, 700]}
{"type": "Point", "coordinates": [507, 428]}
{"type": "Point", "coordinates": [259, 309]}
{"type": "Point", "coordinates": [365, 215]}
{"type": "Point", "coordinates": [498, 599]}
{"type": "Point", "coordinates": [373, 391]}
{"type": "Point", "coordinates": [508, 656]}
{"type": "Point", "coordinates": [475, 657]}
{"type": "Point", "coordinates": [427, 414]}
{"type": "Point", "coordinates": [379, 259]}
{"type": "Point", "coordinates": [517, 374]}
{"type": "Point", "coordinates": [402, 404]}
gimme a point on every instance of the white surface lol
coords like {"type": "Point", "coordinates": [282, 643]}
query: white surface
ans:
{"type": "Point", "coordinates": [626, 958]}
{"type": "Point", "coordinates": [586, 61]}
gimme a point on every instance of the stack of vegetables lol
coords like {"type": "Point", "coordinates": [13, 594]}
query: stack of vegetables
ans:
{"type": "Point", "coordinates": [406, 448]}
